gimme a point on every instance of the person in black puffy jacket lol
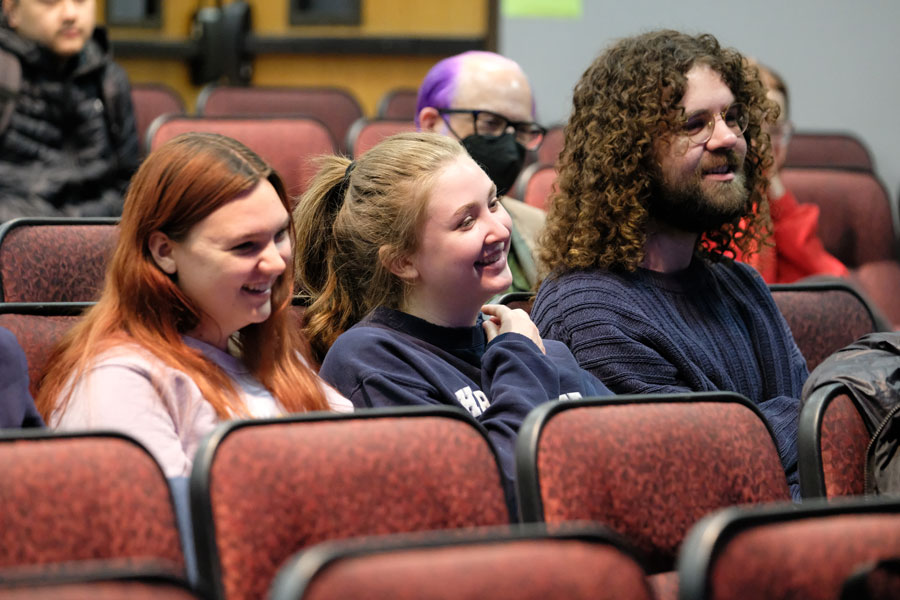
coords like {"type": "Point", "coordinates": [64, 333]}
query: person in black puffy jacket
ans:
{"type": "Point", "coordinates": [68, 142]}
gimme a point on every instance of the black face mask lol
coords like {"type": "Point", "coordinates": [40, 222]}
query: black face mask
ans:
{"type": "Point", "coordinates": [501, 158]}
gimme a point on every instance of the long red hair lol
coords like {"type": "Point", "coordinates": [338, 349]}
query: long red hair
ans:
{"type": "Point", "coordinates": [176, 187]}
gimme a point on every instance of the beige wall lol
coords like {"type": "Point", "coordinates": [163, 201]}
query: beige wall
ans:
{"type": "Point", "coordinates": [368, 77]}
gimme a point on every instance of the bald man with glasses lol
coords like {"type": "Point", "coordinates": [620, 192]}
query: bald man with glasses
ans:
{"type": "Point", "coordinates": [485, 101]}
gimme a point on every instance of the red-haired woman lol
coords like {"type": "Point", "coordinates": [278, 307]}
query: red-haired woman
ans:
{"type": "Point", "coordinates": [193, 325]}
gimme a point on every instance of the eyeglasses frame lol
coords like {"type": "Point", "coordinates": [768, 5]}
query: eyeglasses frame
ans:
{"type": "Point", "coordinates": [509, 123]}
{"type": "Point", "coordinates": [721, 114]}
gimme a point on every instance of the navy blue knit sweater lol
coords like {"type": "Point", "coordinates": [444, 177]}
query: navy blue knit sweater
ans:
{"type": "Point", "coordinates": [712, 326]}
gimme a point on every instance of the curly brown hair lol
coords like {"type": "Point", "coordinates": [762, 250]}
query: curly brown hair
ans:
{"type": "Point", "coordinates": [624, 103]}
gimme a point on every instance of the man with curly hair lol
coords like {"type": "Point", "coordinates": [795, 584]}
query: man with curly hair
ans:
{"type": "Point", "coordinates": [484, 100]}
{"type": "Point", "coordinates": [660, 181]}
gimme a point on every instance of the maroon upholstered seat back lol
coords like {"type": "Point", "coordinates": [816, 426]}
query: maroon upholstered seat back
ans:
{"type": "Point", "coordinates": [96, 580]}
{"type": "Point", "coordinates": [536, 184]}
{"type": "Point", "coordinates": [787, 551]}
{"type": "Point", "coordinates": [99, 590]}
{"type": "Point", "coordinates": [270, 488]}
{"type": "Point", "coordinates": [648, 467]}
{"type": "Point", "coordinates": [364, 133]}
{"type": "Point", "coordinates": [501, 567]}
{"type": "Point", "coordinates": [38, 333]}
{"type": "Point", "coordinates": [288, 144]}
{"type": "Point", "coordinates": [334, 107]}
{"type": "Point", "coordinates": [67, 498]}
{"type": "Point", "coordinates": [823, 317]}
{"type": "Point", "coordinates": [828, 150]}
{"type": "Point", "coordinates": [855, 220]}
{"type": "Point", "coordinates": [55, 259]}
{"type": "Point", "coordinates": [552, 145]}
{"type": "Point", "coordinates": [151, 100]}
{"type": "Point", "coordinates": [832, 441]}
{"type": "Point", "coordinates": [880, 280]}
{"type": "Point", "coordinates": [399, 103]}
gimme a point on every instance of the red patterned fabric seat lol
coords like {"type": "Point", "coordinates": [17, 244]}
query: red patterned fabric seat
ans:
{"type": "Point", "coordinates": [95, 580]}
{"type": "Point", "coordinates": [856, 225]}
{"type": "Point", "coordinates": [72, 497]}
{"type": "Point", "coordinates": [38, 327]}
{"type": "Point", "coordinates": [786, 552]}
{"type": "Point", "coordinates": [552, 145]}
{"type": "Point", "coordinates": [263, 489]}
{"type": "Point", "coordinates": [525, 564]}
{"type": "Point", "coordinates": [55, 259]}
{"type": "Point", "coordinates": [399, 103]}
{"type": "Point", "coordinates": [649, 467]}
{"type": "Point", "coordinates": [364, 133]}
{"type": "Point", "coordinates": [535, 185]}
{"type": "Point", "coordinates": [287, 143]}
{"type": "Point", "coordinates": [151, 100]}
{"type": "Point", "coordinates": [832, 440]}
{"type": "Point", "coordinates": [828, 150]}
{"type": "Point", "coordinates": [335, 107]}
{"type": "Point", "coordinates": [823, 317]}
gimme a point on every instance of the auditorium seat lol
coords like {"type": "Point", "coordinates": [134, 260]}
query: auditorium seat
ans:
{"type": "Point", "coordinates": [535, 185]}
{"type": "Point", "coordinates": [151, 100]}
{"type": "Point", "coordinates": [648, 466]}
{"type": "Point", "coordinates": [398, 104]}
{"type": "Point", "coordinates": [823, 317]}
{"type": "Point", "coordinates": [829, 151]}
{"type": "Point", "coordinates": [552, 145]}
{"type": "Point", "coordinates": [856, 223]}
{"type": "Point", "coordinates": [38, 327]}
{"type": "Point", "coordinates": [287, 143]}
{"type": "Point", "coordinates": [786, 551]}
{"type": "Point", "coordinates": [263, 489]}
{"type": "Point", "coordinates": [67, 497]}
{"type": "Point", "coordinates": [364, 133]}
{"type": "Point", "coordinates": [95, 580]}
{"type": "Point", "coordinates": [55, 259]}
{"type": "Point", "coordinates": [526, 564]}
{"type": "Point", "coordinates": [832, 440]}
{"type": "Point", "coordinates": [335, 107]}
{"type": "Point", "coordinates": [858, 226]}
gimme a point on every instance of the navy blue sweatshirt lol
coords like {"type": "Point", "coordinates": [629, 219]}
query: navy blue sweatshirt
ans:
{"type": "Point", "coordinates": [391, 358]}
{"type": "Point", "coordinates": [16, 405]}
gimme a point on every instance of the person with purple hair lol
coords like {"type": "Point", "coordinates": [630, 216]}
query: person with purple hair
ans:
{"type": "Point", "coordinates": [485, 101]}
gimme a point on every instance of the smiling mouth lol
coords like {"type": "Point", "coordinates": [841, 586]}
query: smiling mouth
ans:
{"type": "Point", "coordinates": [257, 290]}
{"type": "Point", "coordinates": [721, 170]}
{"type": "Point", "coordinates": [493, 257]}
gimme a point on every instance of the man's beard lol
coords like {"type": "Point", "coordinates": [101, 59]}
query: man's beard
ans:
{"type": "Point", "coordinates": [689, 206]}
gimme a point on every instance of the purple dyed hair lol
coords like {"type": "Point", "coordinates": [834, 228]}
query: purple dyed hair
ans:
{"type": "Point", "coordinates": [439, 86]}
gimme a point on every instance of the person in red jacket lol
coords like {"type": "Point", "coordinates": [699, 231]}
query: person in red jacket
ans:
{"type": "Point", "coordinates": [796, 251]}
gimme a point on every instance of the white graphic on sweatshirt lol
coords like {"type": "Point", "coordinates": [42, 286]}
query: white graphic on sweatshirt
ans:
{"type": "Point", "coordinates": [474, 402]}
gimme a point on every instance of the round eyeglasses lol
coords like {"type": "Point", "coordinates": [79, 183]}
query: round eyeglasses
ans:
{"type": "Point", "coordinates": [699, 126]}
{"type": "Point", "coordinates": [487, 123]}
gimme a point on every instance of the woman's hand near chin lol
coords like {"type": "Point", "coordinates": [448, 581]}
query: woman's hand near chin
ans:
{"type": "Point", "coordinates": [503, 319]}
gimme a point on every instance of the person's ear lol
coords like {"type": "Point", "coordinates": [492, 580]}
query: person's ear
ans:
{"type": "Point", "coordinates": [11, 11]}
{"type": "Point", "coordinates": [430, 120]}
{"type": "Point", "coordinates": [399, 265]}
{"type": "Point", "coordinates": [162, 250]}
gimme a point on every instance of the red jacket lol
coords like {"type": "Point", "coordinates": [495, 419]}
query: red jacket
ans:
{"type": "Point", "coordinates": [798, 252]}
